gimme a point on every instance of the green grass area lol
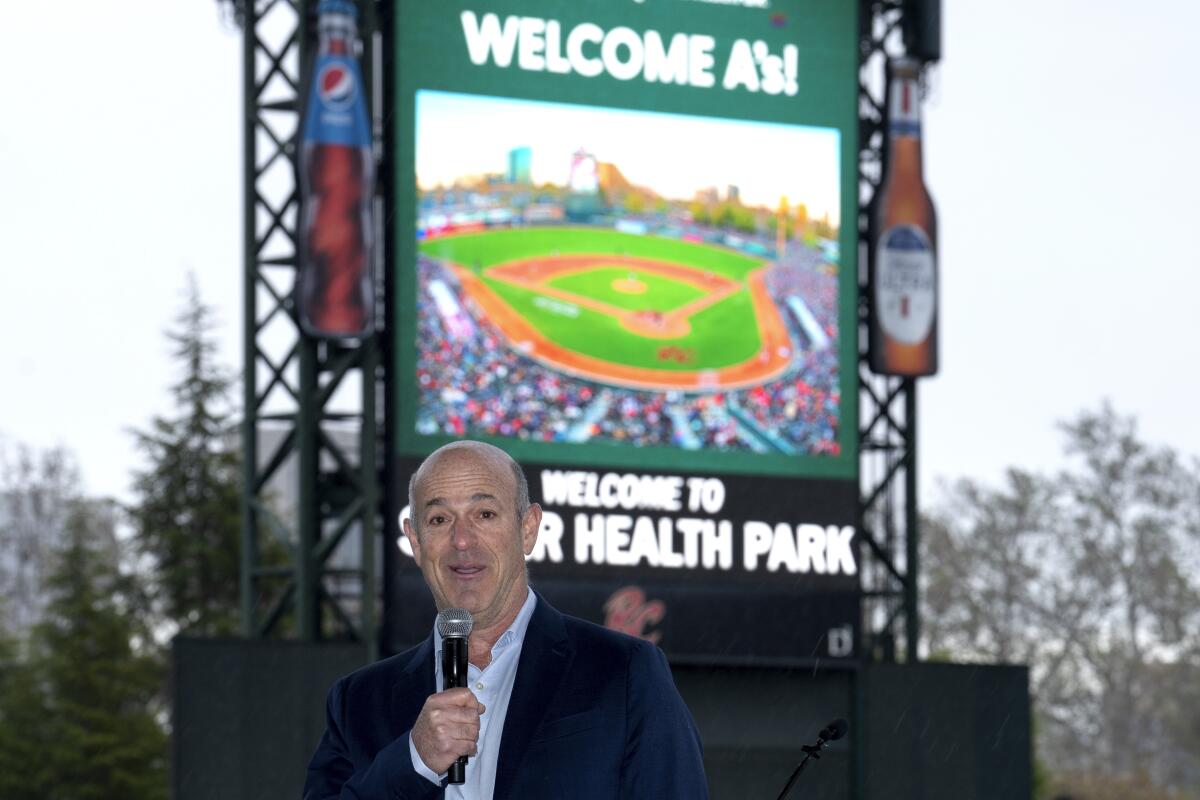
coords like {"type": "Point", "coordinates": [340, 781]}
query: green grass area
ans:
{"type": "Point", "coordinates": [480, 250]}
{"type": "Point", "coordinates": [662, 293]}
{"type": "Point", "coordinates": [722, 335]}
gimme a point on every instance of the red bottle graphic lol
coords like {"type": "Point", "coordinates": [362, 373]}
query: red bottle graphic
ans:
{"type": "Point", "coordinates": [335, 292]}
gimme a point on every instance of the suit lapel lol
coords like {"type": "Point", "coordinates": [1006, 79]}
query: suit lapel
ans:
{"type": "Point", "coordinates": [414, 683]}
{"type": "Point", "coordinates": [545, 657]}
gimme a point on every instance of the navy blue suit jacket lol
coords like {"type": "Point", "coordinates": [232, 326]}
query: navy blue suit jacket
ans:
{"type": "Point", "coordinates": [593, 714]}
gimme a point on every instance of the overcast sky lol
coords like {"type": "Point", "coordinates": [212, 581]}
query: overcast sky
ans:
{"type": "Point", "coordinates": [1060, 148]}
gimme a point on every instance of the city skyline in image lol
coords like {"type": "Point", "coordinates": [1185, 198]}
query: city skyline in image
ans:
{"type": "Point", "coordinates": [686, 155]}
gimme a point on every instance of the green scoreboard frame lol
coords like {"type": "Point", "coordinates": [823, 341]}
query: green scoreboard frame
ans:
{"type": "Point", "coordinates": [576, 177]}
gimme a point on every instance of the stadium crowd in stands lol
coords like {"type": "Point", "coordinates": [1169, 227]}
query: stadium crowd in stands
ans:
{"type": "Point", "coordinates": [478, 384]}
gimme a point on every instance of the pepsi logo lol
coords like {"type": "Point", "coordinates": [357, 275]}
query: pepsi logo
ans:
{"type": "Point", "coordinates": [335, 85]}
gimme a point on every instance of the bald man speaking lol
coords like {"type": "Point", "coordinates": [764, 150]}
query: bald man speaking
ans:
{"type": "Point", "coordinates": [556, 707]}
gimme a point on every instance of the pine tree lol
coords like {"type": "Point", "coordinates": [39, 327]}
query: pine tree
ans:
{"type": "Point", "coordinates": [24, 734]}
{"type": "Point", "coordinates": [36, 488]}
{"type": "Point", "coordinates": [187, 516]}
{"type": "Point", "coordinates": [100, 738]}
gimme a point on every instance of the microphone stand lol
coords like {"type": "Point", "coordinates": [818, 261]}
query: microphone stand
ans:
{"type": "Point", "coordinates": [810, 751]}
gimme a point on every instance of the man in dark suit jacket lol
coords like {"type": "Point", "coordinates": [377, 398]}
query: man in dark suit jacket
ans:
{"type": "Point", "coordinates": [591, 714]}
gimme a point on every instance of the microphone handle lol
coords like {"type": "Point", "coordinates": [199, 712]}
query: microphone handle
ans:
{"type": "Point", "coordinates": [809, 752]}
{"type": "Point", "coordinates": [454, 676]}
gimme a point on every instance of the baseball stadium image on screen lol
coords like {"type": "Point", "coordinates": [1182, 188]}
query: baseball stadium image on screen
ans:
{"type": "Point", "coordinates": [616, 277]}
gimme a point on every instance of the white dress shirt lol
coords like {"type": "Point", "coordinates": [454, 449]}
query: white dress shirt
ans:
{"type": "Point", "coordinates": [492, 686]}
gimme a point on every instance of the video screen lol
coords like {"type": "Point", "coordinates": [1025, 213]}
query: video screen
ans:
{"type": "Point", "coordinates": [613, 277]}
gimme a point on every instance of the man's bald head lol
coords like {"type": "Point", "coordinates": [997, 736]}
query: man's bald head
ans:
{"type": "Point", "coordinates": [471, 527]}
{"type": "Point", "coordinates": [469, 448]}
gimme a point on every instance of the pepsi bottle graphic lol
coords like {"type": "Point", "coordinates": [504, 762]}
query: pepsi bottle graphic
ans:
{"type": "Point", "coordinates": [335, 292]}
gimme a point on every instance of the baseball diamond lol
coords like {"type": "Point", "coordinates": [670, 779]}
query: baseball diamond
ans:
{"type": "Point", "coordinates": [624, 309]}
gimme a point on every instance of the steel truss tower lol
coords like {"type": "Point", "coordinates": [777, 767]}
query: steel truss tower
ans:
{"type": "Point", "coordinates": [887, 405]}
{"type": "Point", "coordinates": [310, 424]}
{"type": "Point", "coordinates": [305, 393]}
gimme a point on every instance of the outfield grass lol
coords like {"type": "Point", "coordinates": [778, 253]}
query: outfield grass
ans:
{"type": "Point", "coordinates": [487, 248]}
{"type": "Point", "coordinates": [722, 335]}
{"type": "Point", "coordinates": [661, 294]}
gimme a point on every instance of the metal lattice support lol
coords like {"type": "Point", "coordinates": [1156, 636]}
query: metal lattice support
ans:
{"type": "Point", "coordinates": [292, 383]}
{"type": "Point", "coordinates": [311, 484]}
{"type": "Point", "coordinates": [887, 405]}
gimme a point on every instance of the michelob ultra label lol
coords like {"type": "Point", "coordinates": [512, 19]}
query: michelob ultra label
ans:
{"type": "Point", "coordinates": [905, 284]}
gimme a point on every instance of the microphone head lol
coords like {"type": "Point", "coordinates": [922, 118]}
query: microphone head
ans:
{"type": "Point", "coordinates": [834, 730]}
{"type": "Point", "coordinates": [454, 623]}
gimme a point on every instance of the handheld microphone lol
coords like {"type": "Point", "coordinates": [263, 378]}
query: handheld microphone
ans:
{"type": "Point", "coordinates": [454, 625]}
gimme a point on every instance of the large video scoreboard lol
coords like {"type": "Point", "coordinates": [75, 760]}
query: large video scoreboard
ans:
{"type": "Point", "coordinates": [625, 239]}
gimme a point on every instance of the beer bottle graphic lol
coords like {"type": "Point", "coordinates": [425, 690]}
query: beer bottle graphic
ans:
{"type": "Point", "coordinates": [903, 281]}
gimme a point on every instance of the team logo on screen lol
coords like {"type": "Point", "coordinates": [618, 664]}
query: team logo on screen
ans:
{"type": "Point", "coordinates": [627, 610]}
{"type": "Point", "coordinates": [335, 85]}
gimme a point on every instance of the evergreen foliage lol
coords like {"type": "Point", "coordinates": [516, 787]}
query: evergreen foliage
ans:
{"type": "Point", "coordinates": [187, 516]}
{"type": "Point", "coordinates": [83, 712]}
{"type": "Point", "coordinates": [23, 712]}
{"type": "Point", "coordinates": [79, 715]}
